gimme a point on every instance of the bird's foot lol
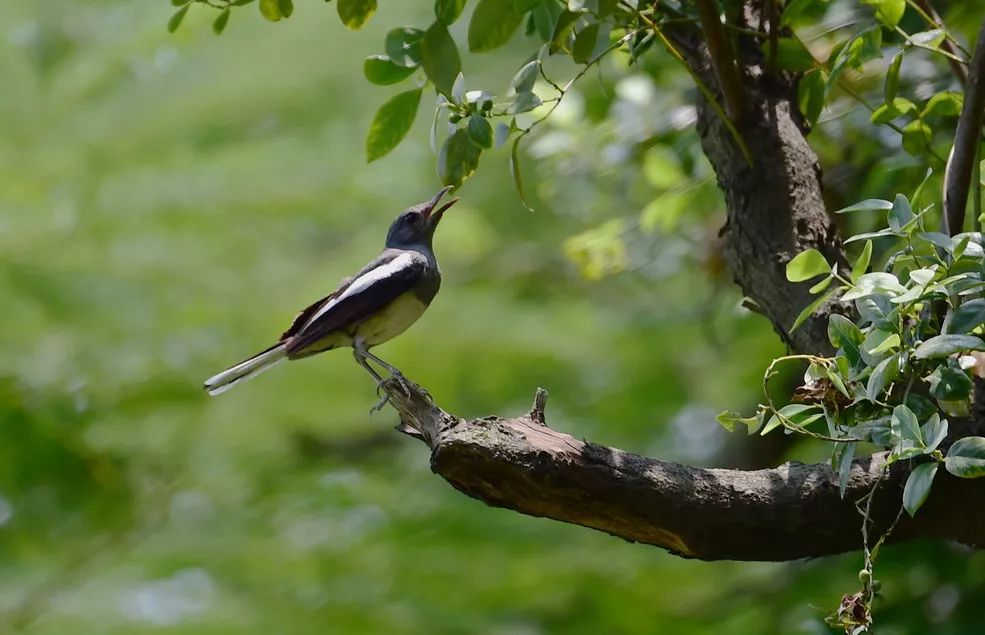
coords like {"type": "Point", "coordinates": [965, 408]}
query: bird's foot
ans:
{"type": "Point", "coordinates": [384, 395]}
{"type": "Point", "coordinates": [406, 386]}
{"type": "Point", "coordinates": [382, 402]}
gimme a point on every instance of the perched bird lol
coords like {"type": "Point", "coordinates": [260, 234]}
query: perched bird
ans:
{"type": "Point", "coordinates": [377, 304]}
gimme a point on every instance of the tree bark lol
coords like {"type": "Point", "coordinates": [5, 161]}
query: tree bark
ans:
{"type": "Point", "coordinates": [775, 205]}
{"type": "Point", "coordinates": [785, 513]}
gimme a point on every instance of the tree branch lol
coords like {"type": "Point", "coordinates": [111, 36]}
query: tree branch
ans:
{"type": "Point", "coordinates": [789, 512]}
{"type": "Point", "coordinates": [775, 206]}
{"type": "Point", "coordinates": [722, 59]}
{"type": "Point", "coordinates": [967, 137]}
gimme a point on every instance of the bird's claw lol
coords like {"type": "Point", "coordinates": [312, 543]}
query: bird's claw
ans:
{"type": "Point", "coordinates": [381, 390]}
{"type": "Point", "coordinates": [382, 402]}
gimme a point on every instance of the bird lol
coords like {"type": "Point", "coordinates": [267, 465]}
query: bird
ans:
{"type": "Point", "coordinates": [377, 304]}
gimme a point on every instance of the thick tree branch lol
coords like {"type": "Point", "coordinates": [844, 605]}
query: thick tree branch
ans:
{"type": "Point", "coordinates": [789, 512]}
{"type": "Point", "coordinates": [775, 206]}
{"type": "Point", "coordinates": [967, 138]}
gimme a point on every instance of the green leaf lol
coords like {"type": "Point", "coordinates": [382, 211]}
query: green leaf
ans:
{"type": "Point", "coordinates": [874, 308]}
{"type": "Point", "coordinates": [403, 46]}
{"type": "Point", "coordinates": [917, 486]}
{"type": "Point", "coordinates": [906, 426]}
{"type": "Point", "coordinates": [440, 59]}
{"type": "Point", "coordinates": [480, 132]}
{"type": "Point", "coordinates": [916, 137]}
{"type": "Point", "coordinates": [898, 107]}
{"type": "Point", "coordinates": [900, 214]}
{"type": "Point", "coordinates": [543, 15]}
{"type": "Point", "coordinates": [938, 239]}
{"type": "Point", "coordinates": [865, 46]}
{"type": "Point", "coordinates": [792, 55]}
{"type": "Point", "coordinates": [888, 344]}
{"type": "Point", "coordinates": [526, 77]}
{"type": "Point", "coordinates": [884, 374]}
{"type": "Point", "coordinates": [821, 286]}
{"type": "Point", "coordinates": [806, 265]}
{"type": "Point", "coordinates": [380, 70]}
{"type": "Point", "coordinates": [355, 13]}
{"type": "Point", "coordinates": [458, 159]}
{"type": "Point", "coordinates": [966, 458]}
{"type": "Point", "coordinates": [872, 347]}
{"type": "Point", "coordinates": [841, 464]}
{"type": "Point", "coordinates": [797, 413]}
{"type": "Point", "coordinates": [286, 7]}
{"type": "Point", "coordinates": [515, 173]}
{"type": "Point", "coordinates": [949, 382]}
{"type": "Point", "coordinates": [862, 264]}
{"type": "Point", "coordinates": [729, 419]}
{"type": "Point", "coordinates": [219, 25]}
{"type": "Point", "coordinates": [868, 205]}
{"type": "Point", "coordinates": [891, 87]}
{"type": "Point", "coordinates": [562, 29]}
{"type": "Point", "coordinates": [493, 23]}
{"type": "Point", "coordinates": [794, 8]}
{"type": "Point", "coordinates": [930, 39]}
{"type": "Point", "coordinates": [501, 133]}
{"type": "Point", "coordinates": [176, 18]}
{"type": "Point", "coordinates": [888, 12]}
{"type": "Point", "coordinates": [809, 310]}
{"type": "Point", "coordinates": [934, 432]}
{"type": "Point", "coordinates": [882, 233]}
{"type": "Point", "coordinates": [844, 334]}
{"type": "Point", "coordinates": [447, 11]}
{"type": "Point", "coordinates": [944, 345]}
{"type": "Point", "coordinates": [967, 317]}
{"type": "Point", "coordinates": [524, 102]}
{"type": "Point", "coordinates": [391, 123]}
{"type": "Point", "coordinates": [810, 94]}
{"type": "Point", "coordinates": [946, 104]}
{"type": "Point", "coordinates": [586, 41]}
{"type": "Point", "coordinates": [270, 9]}
{"type": "Point", "coordinates": [875, 282]}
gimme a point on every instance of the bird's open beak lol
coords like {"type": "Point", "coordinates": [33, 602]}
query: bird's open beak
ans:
{"type": "Point", "coordinates": [433, 216]}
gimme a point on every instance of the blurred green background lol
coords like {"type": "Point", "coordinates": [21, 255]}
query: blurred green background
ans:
{"type": "Point", "coordinates": [168, 202]}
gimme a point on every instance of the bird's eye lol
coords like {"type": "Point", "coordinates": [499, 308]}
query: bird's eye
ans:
{"type": "Point", "coordinates": [411, 217]}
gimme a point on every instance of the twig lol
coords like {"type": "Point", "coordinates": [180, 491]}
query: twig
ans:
{"type": "Point", "coordinates": [722, 60]}
{"type": "Point", "coordinates": [950, 44]}
{"type": "Point", "coordinates": [960, 162]}
{"type": "Point", "coordinates": [705, 91]}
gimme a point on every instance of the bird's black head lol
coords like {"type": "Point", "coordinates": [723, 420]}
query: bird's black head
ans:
{"type": "Point", "coordinates": [415, 226]}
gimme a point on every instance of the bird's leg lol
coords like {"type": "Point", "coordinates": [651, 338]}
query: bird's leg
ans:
{"type": "Point", "coordinates": [358, 353]}
{"type": "Point", "coordinates": [362, 354]}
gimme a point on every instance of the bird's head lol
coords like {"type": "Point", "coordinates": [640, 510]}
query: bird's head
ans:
{"type": "Point", "coordinates": [415, 226]}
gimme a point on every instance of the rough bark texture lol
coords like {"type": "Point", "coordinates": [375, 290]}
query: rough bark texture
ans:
{"type": "Point", "coordinates": [775, 207]}
{"type": "Point", "coordinates": [785, 513]}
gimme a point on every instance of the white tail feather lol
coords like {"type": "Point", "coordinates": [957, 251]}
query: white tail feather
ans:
{"type": "Point", "coordinates": [220, 383]}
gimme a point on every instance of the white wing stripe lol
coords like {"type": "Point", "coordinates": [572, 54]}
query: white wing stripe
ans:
{"type": "Point", "coordinates": [366, 280]}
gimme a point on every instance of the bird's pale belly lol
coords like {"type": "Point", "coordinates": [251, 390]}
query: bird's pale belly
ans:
{"type": "Point", "coordinates": [391, 321]}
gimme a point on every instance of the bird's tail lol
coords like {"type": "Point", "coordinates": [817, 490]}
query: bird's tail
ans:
{"type": "Point", "coordinates": [220, 383]}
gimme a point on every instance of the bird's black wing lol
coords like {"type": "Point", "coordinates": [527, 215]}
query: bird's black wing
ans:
{"type": "Point", "coordinates": [382, 281]}
{"type": "Point", "coordinates": [305, 314]}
